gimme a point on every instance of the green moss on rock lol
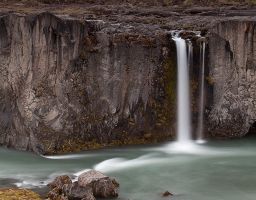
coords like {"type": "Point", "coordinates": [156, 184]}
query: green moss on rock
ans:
{"type": "Point", "coordinates": [171, 80]}
{"type": "Point", "coordinates": [166, 109]}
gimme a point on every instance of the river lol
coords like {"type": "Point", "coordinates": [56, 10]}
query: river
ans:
{"type": "Point", "coordinates": [217, 170]}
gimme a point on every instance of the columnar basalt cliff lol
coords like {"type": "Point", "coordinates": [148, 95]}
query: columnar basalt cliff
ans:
{"type": "Point", "coordinates": [70, 84]}
{"type": "Point", "coordinates": [232, 67]}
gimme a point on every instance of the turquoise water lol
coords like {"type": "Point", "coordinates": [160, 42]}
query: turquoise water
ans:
{"type": "Point", "coordinates": [217, 170]}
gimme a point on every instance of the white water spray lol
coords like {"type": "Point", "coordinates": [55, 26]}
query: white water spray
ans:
{"type": "Point", "coordinates": [184, 119]}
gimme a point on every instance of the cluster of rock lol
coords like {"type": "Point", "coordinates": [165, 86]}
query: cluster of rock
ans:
{"type": "Point", "coordinates": [90, 185]}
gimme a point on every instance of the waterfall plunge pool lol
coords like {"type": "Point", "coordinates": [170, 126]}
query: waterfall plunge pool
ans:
{"type": "Point", "coordinates": [217, 170]}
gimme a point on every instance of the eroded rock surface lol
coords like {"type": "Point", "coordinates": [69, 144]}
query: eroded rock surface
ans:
{"type": "Point", "coordinates": [68, 85]}
{"type": "Point", "coordinates": [233, 73]}
{"type": "Point", "coordinates": [107, 75]}
{"type": "Point", "coordinates": [90, 185]}
{"type": "Point", "coordinates": [102, 186]}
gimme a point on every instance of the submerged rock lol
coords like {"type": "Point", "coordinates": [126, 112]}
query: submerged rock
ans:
{"type": "Point", "coordinates": [101, 185]}
{"type": "Point", "coordinates": [167, 193]}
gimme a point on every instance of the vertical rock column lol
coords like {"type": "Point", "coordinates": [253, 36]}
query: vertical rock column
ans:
{"type": "Point", "coordinates": [233, 75]}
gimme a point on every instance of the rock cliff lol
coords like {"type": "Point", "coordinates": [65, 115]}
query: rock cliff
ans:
{"type": "Point", "coordinates": [68, 85]}
{"type": "Point", "coordinates": [232, 64]}
{"type": "Point", "coordinates": [107, 76]}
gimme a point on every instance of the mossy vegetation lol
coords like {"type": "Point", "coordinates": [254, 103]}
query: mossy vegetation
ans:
{"type": "Point", "coordinates": [164, 105]}
{"type": "Point", "coordinates": [171, 79]}
{"type": "Point", "coordinates": [166, 109]}
{"type": "Point", "coordinates": [194, 87]}
{"type": "Point", "coordinates": [18, 194]}
{"type": "Point", "coordinates": [78, 145]}
{"type": "Point", "coordinates": [209, 80]}
{"type": "Point", "coordinates": [170, 85]}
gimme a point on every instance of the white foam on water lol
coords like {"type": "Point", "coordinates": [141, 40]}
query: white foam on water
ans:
{"type": "Point", "coordinates": [81, 172]}
{"type": "Point", "coordinates": [115, 164]}
{"type": "Point", "coordinates": [31, 184]}
{"type": "Point", "coordinates": [69, 156]}
{"type": "Point", "coordinates": [200, 141]}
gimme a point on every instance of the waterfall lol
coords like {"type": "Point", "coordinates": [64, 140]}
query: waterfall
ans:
{"type": "Point", "coordinates": [190, 54]}
{"type": "Point", "coordinates": [201, 106]}
{"type": "Point", "coordinates": [183, 101]}
{"type": "Point", "coordinates": [184, 49]}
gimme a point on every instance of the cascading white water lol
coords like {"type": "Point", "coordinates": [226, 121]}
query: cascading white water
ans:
{"type": "Point", "coordinates": [201, 100]}
{"type": "Point", "coordinates": [183, 101]}
{"type": "Point", "coordinates": [190, 54]}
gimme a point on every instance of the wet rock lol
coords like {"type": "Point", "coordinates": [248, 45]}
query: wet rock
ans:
{"type": "Point", "coordinates": [89, 185]}
{"type": "Point", "coordinates": [201, 39]}
{"type": "Point", "coordinates": [101, 185]}
{"type": "Point", "coordinates": [77, 192]}
{"type": "Point", "coordinates": [55, 193]}
{"type": "Point", "coordinates": [187, 34]}
{"type": "Point", "coordinates": [166, 194]}
{"type": "Point", "coordinates": [59, 182]}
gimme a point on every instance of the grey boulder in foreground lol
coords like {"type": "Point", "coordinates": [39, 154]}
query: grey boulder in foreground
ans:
{"type": "Point", "coordinates": [90, 184]}
{"type": "Point", "coordinates": [101, 185]}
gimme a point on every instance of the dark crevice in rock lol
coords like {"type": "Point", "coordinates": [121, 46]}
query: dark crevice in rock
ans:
{"type": "Point", "coordinates": [252, 130]}
{"type": "Point", "coordinates": [228, 49]}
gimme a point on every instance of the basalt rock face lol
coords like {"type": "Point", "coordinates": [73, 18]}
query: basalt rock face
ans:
{"type": "Point", "coordinates": [232, 64]}
{"type": "Point", "coordinates": [68, 85]}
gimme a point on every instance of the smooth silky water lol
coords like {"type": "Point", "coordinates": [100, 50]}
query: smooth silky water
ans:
{"type": "Point", "coordinates": [217, 170]}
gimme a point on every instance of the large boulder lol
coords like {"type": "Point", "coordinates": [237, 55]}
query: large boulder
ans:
{"type": "Point", "coordinates": [89, 185]}
{"type": "Point", "coordinates": [102, 186]}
